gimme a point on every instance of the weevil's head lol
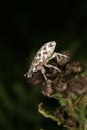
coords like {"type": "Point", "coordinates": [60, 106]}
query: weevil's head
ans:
{"type": "Point", "coordinates": [51, 45]}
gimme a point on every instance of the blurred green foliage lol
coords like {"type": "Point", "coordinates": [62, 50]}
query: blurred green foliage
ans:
{"type": "Point", "coordinates": [22, 34]}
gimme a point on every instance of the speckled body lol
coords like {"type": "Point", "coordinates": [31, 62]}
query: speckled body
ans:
{"type": "Point", "coordinates": [41, 58]}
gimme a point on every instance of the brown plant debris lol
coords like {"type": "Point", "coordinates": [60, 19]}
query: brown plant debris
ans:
{"type": "Point", "coordinates": [64, 81]}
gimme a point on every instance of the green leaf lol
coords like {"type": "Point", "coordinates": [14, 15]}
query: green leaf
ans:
{"type": "Point", "coordinates": [46, 114]}
{"type": "Point", "coordinates": [73, 95]}
{"type": "Point", "coordinates": [57, 95]}
{"type": "Point", "coordinates": [62, 102]}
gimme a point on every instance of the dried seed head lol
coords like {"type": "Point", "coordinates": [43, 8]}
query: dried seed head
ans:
{"type": "Point", "coordinates": [66, 52]}
{"type": "Point", "coordinates": [70, 121]}
{"type": "Point", "coordinates": [64, 60]}
{"type": "Point", "coordinates": [79, 86]}
{"type": "Point", "coordinates": [59, 113]}
{"type": "Point", "coordinates": [47, 89]}
{"type": "Point", "coordinates": [51, 73]}
{"type": "Point", "coordinates": [60, 85]}
{"type": "Point", "coordinates": [74, 67]}
{"type": "Point", "coordinates": [35, 79]}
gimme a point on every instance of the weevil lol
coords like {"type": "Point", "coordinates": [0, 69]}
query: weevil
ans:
{"type": "Point", "coordinates": [42, 57]}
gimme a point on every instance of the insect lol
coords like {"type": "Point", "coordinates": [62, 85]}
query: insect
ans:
{"type": "Point", "coordinates": [42, 57]}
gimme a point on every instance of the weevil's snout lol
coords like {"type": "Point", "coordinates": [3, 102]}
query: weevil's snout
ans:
{"type": "Point", "coordinates": [52, 43]}
{"type": "Point", "coordinates": [51, 46]}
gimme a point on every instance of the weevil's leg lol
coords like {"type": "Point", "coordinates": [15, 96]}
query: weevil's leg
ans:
{"type": "Point", "coordinates": [60, 56]}
{"type": "Point", "coordinates": [51, 66]}
{"type": "Point", "coordinates": [53, 56]}
{"type": "Point", "coordinates": [54, 67]}
{"type": "Point", "coordinates": [43, 72]}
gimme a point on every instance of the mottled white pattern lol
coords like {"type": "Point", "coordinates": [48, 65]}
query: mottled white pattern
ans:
{"type": "Point", "coordinates": [45, 53]}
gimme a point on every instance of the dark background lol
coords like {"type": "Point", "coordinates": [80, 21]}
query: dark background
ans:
{"type": "Point", "coordinates": [24, 28]}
